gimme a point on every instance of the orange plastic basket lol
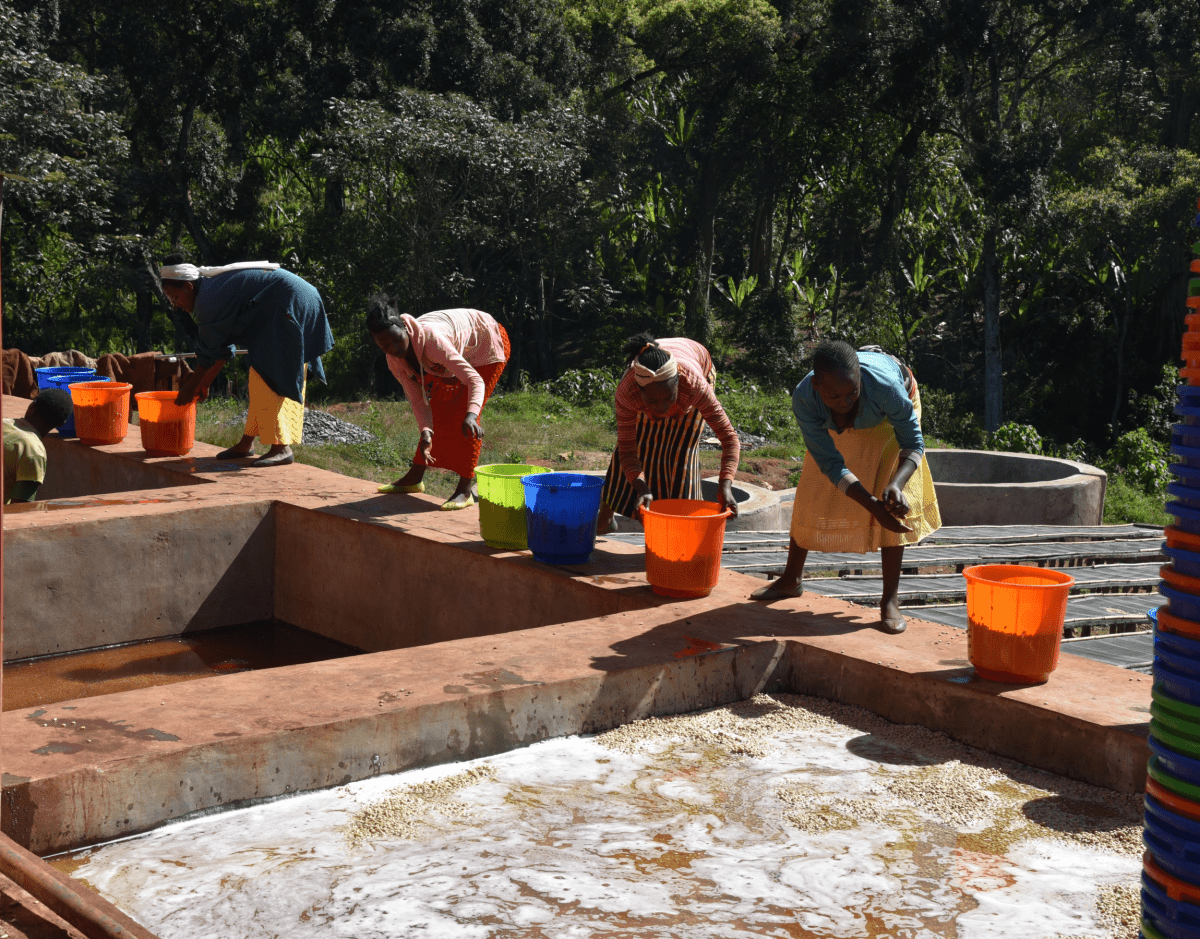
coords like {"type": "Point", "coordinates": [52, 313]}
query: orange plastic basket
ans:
{"type": "Point", "coordinates": [1179, 581]}
{"type": "Point", "coordinates": [101, 411]}
{"type": "Point", "coordinates": [1178, 538]}
{"type": "Point", "coordinates": [683, 546]}
{"type": "Point", "coordinates": [1168, 622]}
{"type": "Point", "coordinates": [1178, 890]}
{"type": "Point", "coordinates": [166, 427]}
{"type": "Point", "coordinates": [1176, 803]}
{"type": "Point", "coordinates": [1015, 621]}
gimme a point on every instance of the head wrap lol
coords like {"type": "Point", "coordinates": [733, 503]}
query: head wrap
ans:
{"type": "Point", "coordinates": [648, 376]}
{"type": "Point", "coordinates": [191, 272]}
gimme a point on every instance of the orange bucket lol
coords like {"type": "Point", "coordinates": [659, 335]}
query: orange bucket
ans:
{"type": "Point", "coordinates": [1168, 622]}
{"type": "Point", "coordinates": [1176, 803]}
{"type": "Point", "coordinates": [683, 546]}
{"type": "Point", "coordinates": [1015, 621]}
{"type": "Point", "coordinates": [1179, 581]}
{"type": "Point", "coordinates": [1178, 890]}
{"type": "Point", "coordinates": [1178, 538]}
{"type": "Point", "coordinates": [166, 427]}
{"type": "Point", "coordinates": [101, 411]}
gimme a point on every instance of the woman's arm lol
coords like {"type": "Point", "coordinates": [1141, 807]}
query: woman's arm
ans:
{"type": "Point", "coordinates": [731, 446]}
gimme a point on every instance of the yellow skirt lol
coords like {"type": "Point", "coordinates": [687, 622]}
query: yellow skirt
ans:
{"type": "Point", "coordinates": [825, 519]}
{"type": "Point", "coordinates": [272, 418]}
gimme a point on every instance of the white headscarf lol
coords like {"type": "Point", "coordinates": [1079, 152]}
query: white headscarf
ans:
{"type": "Point", "coordinates": [648, 376]}
{"type": "Point", "coordinates": [191, 272]}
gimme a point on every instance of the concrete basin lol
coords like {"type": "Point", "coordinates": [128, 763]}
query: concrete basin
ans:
{"type": "Point", "coordinates": [979, 487]}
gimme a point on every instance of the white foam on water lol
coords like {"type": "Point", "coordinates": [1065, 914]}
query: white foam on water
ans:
{"type": "Point", "coordinates": [571, 840]}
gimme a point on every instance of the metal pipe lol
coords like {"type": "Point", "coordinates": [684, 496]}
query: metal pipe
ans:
{"type": "Point", "coordinates": [84, 909]}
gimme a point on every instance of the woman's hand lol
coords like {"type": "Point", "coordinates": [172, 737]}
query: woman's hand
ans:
{"type": "Point", "coordinates": [725, 498]}
{"type": "Point", "coordinates": [470, 426]}
{"type": "Point", "coordinates": [894, 500]}
{"type": "Point", "coordinates": [886, 519]}
{"type": "Point", "coordinates": [425, 447]}
{"type": "Point", "coordinates": [645, 496]}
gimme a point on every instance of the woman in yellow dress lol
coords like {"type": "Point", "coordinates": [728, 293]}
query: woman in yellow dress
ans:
{"type": "Point", "coordinates": [865, 485]}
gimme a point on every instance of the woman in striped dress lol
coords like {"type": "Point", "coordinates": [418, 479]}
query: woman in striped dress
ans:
{"type": "Point", "coordinates": [662, 404]}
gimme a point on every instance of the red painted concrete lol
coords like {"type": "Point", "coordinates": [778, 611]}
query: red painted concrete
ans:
{"type": "Point", "coordinates": [487, 650]}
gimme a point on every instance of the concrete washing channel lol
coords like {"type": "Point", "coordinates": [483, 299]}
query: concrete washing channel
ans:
{"type": "Point", "coordinates": [476, 744]}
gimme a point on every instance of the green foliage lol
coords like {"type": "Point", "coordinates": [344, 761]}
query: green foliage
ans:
{"type": "Point", "coordinates": [1142, 461]}
{"type": "Point", "coordinates": [1125, 502]}
{"type": "Point", "coordinates": [1015, 438]}
{"type": "Point", "coordinates": [584, 387]}
{"type": "Point", "coordinates": [754, 175]}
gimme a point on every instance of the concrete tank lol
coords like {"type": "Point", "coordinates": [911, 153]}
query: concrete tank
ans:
{"type": "Point", "coordinates": [979, 487]}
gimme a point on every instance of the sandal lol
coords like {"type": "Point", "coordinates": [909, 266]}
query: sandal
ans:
{"type": "Point", "coordinates": [450, 506]}
{"type": "Point", "coordinates": [771, 592]}
{"type": "Point", "coordinates": [392, 487]}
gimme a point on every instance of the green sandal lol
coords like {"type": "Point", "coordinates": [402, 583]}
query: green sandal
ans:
{"type": "Point", "coordinates": [392, 487]}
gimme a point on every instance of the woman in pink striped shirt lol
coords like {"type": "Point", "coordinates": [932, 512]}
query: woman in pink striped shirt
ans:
{"type": "Point", "coordinates": [448, 363]}
{"type": "Point", "coordinates": [662, 404]}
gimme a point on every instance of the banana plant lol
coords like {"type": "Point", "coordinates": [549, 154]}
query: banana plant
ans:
{"type": "Point", "coordinates": [737, 293]}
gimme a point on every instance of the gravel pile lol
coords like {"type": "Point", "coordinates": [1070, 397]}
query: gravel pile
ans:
{"type": "Point", "coordinates": [321, 428]}
{"type": "Point", "coordinates": [709, 441]}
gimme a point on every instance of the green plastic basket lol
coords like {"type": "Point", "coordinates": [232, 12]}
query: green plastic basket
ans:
{"type": "Point", "coordinates": [1174, 783]}
{"type": "Point", "coordinates": [502, 504]}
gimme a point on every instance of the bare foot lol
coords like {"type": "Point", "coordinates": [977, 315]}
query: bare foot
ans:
{"type": "Point", "coordinates": [278, 455]}
{"type": "Point", "coordinates": [240, 450]}
{"type": "Point", "coordinates": [778, 590]}
{"type": "Point", "coordinates": [411, 478]}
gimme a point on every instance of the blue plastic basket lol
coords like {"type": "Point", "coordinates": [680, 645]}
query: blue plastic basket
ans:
{"type": "Point", "coordinates": [1185, 561]}
{"type": "Point", "coordinates": [1185, 494]}
{"type": "Point", "coordinates": [560, 516]}
{"type": "Point", "coordinates": [1187, 434]}
{"type": "Point", "coordinates": [1152, 615]}
{"type": "Point", "coordinates": [1175, 684]}
{"type": "Point", "coordinates": [64, 382]}
{"type": "Point", "coordinates": [1173, 840]}
{"type": "Point", "coordinates": [1189, 395]}
{"type": "Point", "coordinates": [1181, 604]}
{"type": "Point", "coordinates": [1173, 918]}
{"type": "Point", "coordinates": [1186, 474]}
{"type": "Point", "coordinates": [45, 375]}
{"type": "Point", "coordinates": [1186, 517]}
{"type": "Point", "coordinates": [1183, 767]}
{"type": "Point", "coordinates": [1188, 456]}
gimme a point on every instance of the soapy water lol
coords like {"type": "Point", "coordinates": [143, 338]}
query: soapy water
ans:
{"type": "Point", "coordinates": [648, 836]}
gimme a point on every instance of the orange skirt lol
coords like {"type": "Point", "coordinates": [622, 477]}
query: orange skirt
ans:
{"type": "Point", "coordinates": [452, 449]}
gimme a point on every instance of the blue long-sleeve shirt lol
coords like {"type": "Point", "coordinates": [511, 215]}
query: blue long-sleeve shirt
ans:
{"type": "Point", "coordinates": [278, 317]}
{"type": "Point", "coordinates": [882, 398]}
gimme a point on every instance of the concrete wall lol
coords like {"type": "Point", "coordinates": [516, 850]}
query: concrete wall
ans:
{"type": "Point", "coordinates": [976, 487]}
{"type": "Point", "coordinates": [379, 588]}
{"type": "Point", "coordinates": [134, 577]}
{"type": "Point", "coordinates": [74, 470]}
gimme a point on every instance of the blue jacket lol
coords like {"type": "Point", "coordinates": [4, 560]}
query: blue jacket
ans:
{"type": "Point", "coordinates": [882, 398]}
{"type": "Point", "coordinates": [278, 317]}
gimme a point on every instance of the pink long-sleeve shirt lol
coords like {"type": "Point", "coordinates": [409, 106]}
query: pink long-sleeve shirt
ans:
{"type": "Point", "coordinates": [448, 343]}
{"type": "Point", "coordinates": [695, 365]}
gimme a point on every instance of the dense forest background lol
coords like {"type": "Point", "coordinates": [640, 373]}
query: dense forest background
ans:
{"type": "Point", "coordinates": [998, 191]}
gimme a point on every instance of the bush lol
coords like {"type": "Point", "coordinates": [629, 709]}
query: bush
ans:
{"type": "Point", "coordinates": [943, 417]}
{"type": "Point", "coordinates": [1141, 460]}
{"type": "Point", "coordinates": [583, 387]}
{"type": "Point", "coordinates": [1016, 438]}
{"type": "Point", "coordinates": [1126, 503]}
